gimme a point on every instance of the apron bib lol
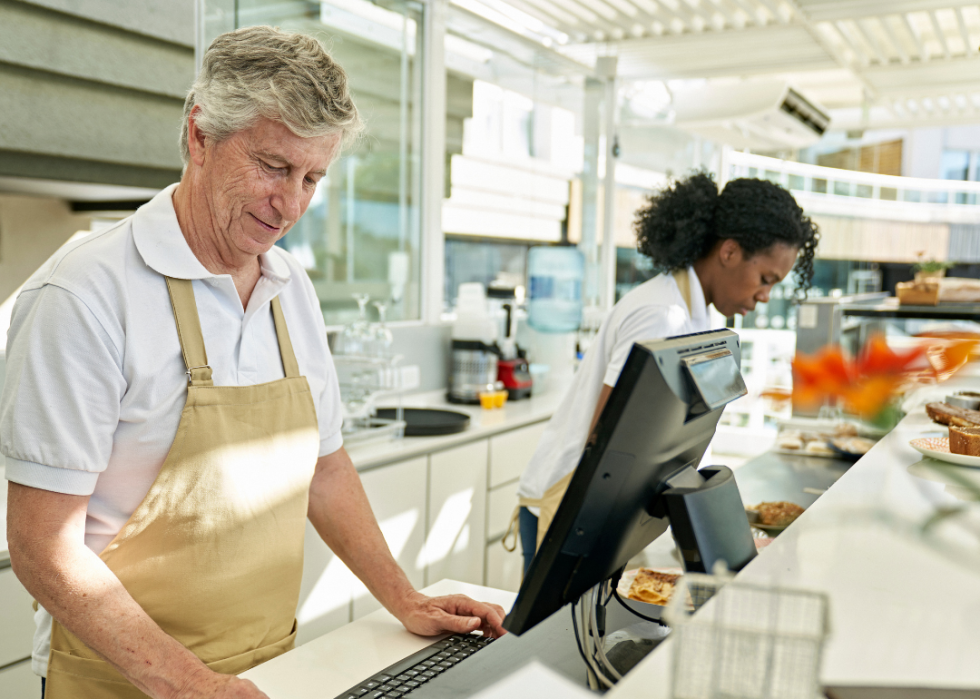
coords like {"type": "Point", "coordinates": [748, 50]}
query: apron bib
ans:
{"type": "Point", "coordinates": [214, 552]}
{"type": "Point", "coordinates": [549, 502]}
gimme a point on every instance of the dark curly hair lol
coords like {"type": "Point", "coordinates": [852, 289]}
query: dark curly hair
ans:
{"type": "Point", "coordinates": [681, 223]}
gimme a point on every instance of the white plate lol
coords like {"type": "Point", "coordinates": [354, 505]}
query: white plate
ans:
{"type": "Point", "coordinates": [938, 448]}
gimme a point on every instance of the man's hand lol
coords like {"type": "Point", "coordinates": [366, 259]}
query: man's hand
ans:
{"type": "Point", "coordinates": [230, 687]}
{"type": "Point", "coordinates": [430, 616]}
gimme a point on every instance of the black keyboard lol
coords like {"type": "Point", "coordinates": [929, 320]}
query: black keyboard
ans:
{"type": "Point", "coordinates": [410, 673]}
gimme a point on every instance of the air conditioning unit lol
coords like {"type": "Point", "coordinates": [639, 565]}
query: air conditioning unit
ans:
{"type": "Point", "coordinates": [759, 115]}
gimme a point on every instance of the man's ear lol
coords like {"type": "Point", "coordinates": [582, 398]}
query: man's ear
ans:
{"type": "Point", "coordinates": [195, 137]}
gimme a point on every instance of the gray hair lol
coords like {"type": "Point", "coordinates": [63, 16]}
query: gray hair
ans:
{"type": "Point", "coordinates": [265, 72]}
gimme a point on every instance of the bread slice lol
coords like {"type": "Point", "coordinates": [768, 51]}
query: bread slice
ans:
{"type": "Point", "coordinates": [946, 414]}
{"type": "Point", "coordinates": [964, 440]}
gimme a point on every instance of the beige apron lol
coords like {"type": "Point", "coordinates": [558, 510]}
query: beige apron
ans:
{"type": "Point", "coordinates": [214, 553]}
{"type": "Point", "coordinates": [549, 502]}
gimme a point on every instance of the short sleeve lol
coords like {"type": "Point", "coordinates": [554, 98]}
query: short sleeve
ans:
{"type": "Point", "coordinates": [61, 400]}
{"type": "Point", "coordinates": [329, 407]}
{"type": "Point", "coordinates": [652, 322]}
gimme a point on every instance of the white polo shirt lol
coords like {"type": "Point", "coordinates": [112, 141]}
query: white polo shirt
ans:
{"type": "Point", "coordinates": [653, 310]}
{"type": "Point", "coordinates": [95, 380]}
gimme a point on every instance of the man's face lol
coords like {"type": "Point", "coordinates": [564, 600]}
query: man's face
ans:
{"type": "Point", "coordinates": [746, 281]}
{"type": "Point", "coordinates": [259, 182]}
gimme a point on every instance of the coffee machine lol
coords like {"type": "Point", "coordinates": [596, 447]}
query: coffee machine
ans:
{"type": "Point", "coordinates": [475, 353]}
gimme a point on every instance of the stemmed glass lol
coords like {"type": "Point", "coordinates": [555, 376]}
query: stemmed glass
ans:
{"type": "Point", "coordinates": [382, 339]}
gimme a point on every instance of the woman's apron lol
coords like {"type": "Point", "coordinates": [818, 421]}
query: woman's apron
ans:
{"type": "Point", "coordinates": [214, 553]}
{"type": "Point", "coordinates": [549, 502]}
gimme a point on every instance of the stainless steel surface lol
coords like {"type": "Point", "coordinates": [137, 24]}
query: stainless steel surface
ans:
{"type": "Point", "coordinates": [774, 477]}
{"type": "Point", "coordinates": [473, 371]}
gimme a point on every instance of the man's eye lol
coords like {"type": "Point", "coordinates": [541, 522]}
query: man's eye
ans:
{"type": "Point", "coordinates": [272, 168]}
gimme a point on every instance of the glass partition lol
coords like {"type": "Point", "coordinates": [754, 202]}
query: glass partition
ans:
{"type": "Point", "coordinates": [361, 233]}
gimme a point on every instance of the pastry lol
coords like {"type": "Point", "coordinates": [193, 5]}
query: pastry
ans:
{"type": "Point", "coordinates": [946, 414]}
{"type": "Point", "coordinates": [964, 440]}
{"type": "Point", "coordinates": [778, 514]}
{"type": "Point", "coordinates": [652, 586]}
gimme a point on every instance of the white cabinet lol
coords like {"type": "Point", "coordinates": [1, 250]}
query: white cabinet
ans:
{"type": "Point", "coordinates": [325, 595]}
{"type": "Point", "coordinates": [397, 496]}
{"type": "Point", "coordinates": [456, 533]}
{"type": "Point", "coordinates": [16, 620]}
{"type": "Point", "coordinates": [511, 451]}
{"type": "Point", "coordinates": [504, 568]}
{"type": "Point", "coordinates": [501, 503]}
{"type": "Point", "coordinates": [18, 682]}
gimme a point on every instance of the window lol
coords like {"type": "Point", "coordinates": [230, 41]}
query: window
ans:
{"type": "Point", "coordinates": [361, 233]}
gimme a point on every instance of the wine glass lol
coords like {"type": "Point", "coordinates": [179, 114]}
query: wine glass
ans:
{"type": "Point", "coordinates": [382, 339]}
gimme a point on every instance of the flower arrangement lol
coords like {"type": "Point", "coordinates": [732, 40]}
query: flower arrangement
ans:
{"type": "Point", "coordinates": [866, 386]}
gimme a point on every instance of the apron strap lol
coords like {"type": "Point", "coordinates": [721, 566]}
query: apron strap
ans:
{"type": "Point", "coordinates": [289, 364]}
{"type": "Point", "coordinates": [683, 280]}
{"type": "Point", "coordinates": [189, 331]}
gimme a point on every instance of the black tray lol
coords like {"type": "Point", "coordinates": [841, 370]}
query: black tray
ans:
{"type": "Point", "coordinates": [428, 422]}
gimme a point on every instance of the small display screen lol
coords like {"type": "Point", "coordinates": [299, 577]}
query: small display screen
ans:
{"type": "Point", "coordinates": [717, 378]}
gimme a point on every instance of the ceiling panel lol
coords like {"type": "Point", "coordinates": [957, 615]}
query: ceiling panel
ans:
{"type": "Point", "coordinates": [752, 51]}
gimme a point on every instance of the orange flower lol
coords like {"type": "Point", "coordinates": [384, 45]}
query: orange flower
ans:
{"type": "Point", "coordinates": [865, 386]}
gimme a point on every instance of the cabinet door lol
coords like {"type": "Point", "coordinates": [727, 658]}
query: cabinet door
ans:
{"type": "Point", "coordinates": [18, 682]}
{"type": "Point", "coordinates": [16, 620]}
{"type": "Point", "coordinates": [511, 451]}
{"type": "Point", "coordinates": [501, 503]}
{"type": "Point", "coordinates": [504, 568]}
{"type": "Point", "coordinates": [325, 595]}
{"type": "Point", "coordinates": [397, 496]}
{"type": "Point", "coordinates": [456, 532]}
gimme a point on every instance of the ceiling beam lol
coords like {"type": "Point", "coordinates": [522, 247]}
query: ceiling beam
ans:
{"type": "Point", "coordinates": [750, 12]}
{"type": "Point", "coordinates": [859, 53]}
{"type": "Point", "coordinates": [903, 55]}
{"type": "Point", "coordinates": [940, 35]}
{"type": "Point", "coordinates": [773, 7]}
{"type": "Point", "coordinates": [968, 48]}
{"type": "Point", "coordinates": [869, 37]}
{"type": "Point", "coordinates": [831, 10]}
{"type": "Point", "coordinates": [916, 39]}
{"type": "Point", "coordinates": [727, 15]}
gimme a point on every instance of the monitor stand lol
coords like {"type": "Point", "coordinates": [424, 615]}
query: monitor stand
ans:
{"type": "Point", "coordinates": [552, 643]}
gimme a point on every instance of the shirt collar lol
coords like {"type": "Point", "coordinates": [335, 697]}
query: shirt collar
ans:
{"type": "Point", "coordinates": [699, 307]}
{"type": "Point", "coordinates": [164, 249]}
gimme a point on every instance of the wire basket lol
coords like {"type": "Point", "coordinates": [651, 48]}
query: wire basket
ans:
{"type": "Point", "coordinates": [750, 642]}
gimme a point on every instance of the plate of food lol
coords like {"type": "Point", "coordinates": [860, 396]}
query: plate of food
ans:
{"type": "Point", "coordinates": [773, 517]}
{"type": "Point", "coordinates": [851, 447]}
{"type": "Point", "coordinates": [650, 585]}
{"type": "Point", "coordinates": [939, 447]}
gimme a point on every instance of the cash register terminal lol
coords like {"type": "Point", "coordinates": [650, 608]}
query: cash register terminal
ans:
{"type": "Point", "coordinates": [637, 475]}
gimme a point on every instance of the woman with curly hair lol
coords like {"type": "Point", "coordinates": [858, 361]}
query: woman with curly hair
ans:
{"type": "Point", "coordinates": [726, 249]}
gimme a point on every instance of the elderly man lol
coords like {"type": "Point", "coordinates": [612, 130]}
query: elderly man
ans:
{"type": "Point", "coordinates": [171, 415]}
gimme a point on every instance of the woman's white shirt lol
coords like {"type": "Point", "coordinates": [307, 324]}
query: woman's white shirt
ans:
{"type": "Point", "coordinates": [654, 310]}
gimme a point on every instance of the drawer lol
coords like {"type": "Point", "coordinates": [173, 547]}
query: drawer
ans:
{"type": "Point", "coordinates": [511, 451]}
{"type": "Point", "coordinates": [500, 508]}
{"type": "Point", "coordinates": [16, 620]}
{"type": "Point", "coordinates": [18, 682]}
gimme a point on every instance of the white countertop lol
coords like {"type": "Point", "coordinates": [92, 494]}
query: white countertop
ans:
{"type": "Point", "coordinates": [904, 610]}
{"type": "Point", "coordinates": [327, 666]}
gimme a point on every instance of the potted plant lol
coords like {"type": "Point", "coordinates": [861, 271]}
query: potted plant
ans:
{"type": "Point", "coordinates": [930, 269]}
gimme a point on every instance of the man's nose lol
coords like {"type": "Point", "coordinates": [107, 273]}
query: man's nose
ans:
{"type": "Point", "coordinates": [288, 201]}
{"type": "Point", "coordinates": [763, 295]}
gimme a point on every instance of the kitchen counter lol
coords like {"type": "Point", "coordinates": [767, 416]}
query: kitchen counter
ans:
{"type": "Point", "coordinates": [483, 424]}
{"type": "Point", "coordinates": [904, 608]}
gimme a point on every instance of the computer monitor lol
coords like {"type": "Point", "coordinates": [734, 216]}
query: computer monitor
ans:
{"type": "Point", "coordinates": [639, 472]}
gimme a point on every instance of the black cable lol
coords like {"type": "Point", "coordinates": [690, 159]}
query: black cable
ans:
{"type": "Point", "coordinates": [581, 650]}
{"type": "Point", "coordinates": [633, 611]}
